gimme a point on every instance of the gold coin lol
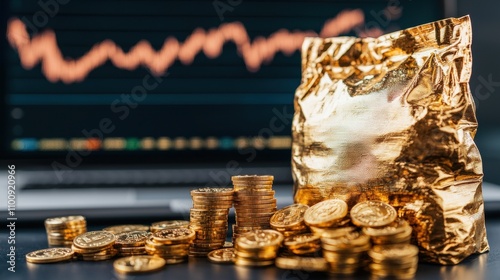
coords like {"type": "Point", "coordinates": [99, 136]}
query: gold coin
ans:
{"type": "Point", "coordinates": [169, 225]}
{"type": "Point", "coordinates": [393, 251]}
{"type": "Point", "coordinates": [125, 228]}
{"type": "Point", "coordinates": [373, 214]}
{"type": "Point", "coordinates": [332, 232]}
{"type": "Point", "coordinates": [289, 216]}
{"type": "Point", "coordinates": [300, 239]}
{"type": "Point", "coordinates": [248, 262]}
{"type": "Point", "coordinates": [302, 263]}
{"type": "Point", "coordinates": [260, 238]}
{"type": "Point", "coordinates": [174, 236]}
{"type": "Point", "coordinates": [225, 255]}
{"type": "Point", "coordinates": [351, 239]}
{"type": "Point", "coordinates": [131, 238]}
{"type": "Point", "coordinates": [64, 221]}
{"type": "Point", "coordinates": [210, 192]}
{"type": "Point", "coordinates": [138, 264]}
{"type": "Point", "coordinates": [94, 239]}
{"type": "Point", "coordinates": [247, 178]}
{"type": "Point", "coordinates": [397, 227]}
{"type": "Point", "coordinates": [50, 255]}
{"type": "Point", "coordinates": [325, 213]}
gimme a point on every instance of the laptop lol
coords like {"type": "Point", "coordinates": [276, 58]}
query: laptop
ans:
{"type": "Point", "coordinates": [118, 109]}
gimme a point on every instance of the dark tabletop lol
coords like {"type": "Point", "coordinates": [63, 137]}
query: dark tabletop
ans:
{"type": "Point", "coordinates": [477, 267]}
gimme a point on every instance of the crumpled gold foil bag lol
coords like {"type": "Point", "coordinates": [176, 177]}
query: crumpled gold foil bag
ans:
{"type": "Point", "coordinates": [392, 119]}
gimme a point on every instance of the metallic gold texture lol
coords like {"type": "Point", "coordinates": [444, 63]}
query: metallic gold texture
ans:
{"type": "Point", "coordinates": [393, 119]}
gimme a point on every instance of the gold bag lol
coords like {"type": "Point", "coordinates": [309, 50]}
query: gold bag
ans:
{"type": "Point", "coordinates": [392, 119]}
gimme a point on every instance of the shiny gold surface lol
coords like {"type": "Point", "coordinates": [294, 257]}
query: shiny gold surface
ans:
{"type": "Point", "coordinates": [393, 119]}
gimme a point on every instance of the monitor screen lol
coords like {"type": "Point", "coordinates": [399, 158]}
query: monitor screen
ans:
{"type": "Point", "coordinates": [167, 81]}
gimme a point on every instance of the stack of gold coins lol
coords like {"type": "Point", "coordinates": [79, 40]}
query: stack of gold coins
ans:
{"type": "Point", "coordinates": [254, 203]}
{"type": "Point", "coordinates": [62, 230]}
{"type": "Point", "coordinates": [157, 226]}
{"type": "Point", "coordinates": [94, 246]}
{"type": "Point", "coordinates": [398, 260]}
{"type": "Point", "coordinates": [303, 244]}
{"type": "Point", "coordinates": [170, 244]}
{"type": "Point", "coordinates": [290, 220]}
{"type": "Point", "coordinates": [396, 232]}
{"type": "Point", "coordinates": [209, 219]}
{"type": "Point", "coordinates": [131, 243]}
{"type": "Point", "coordinates": [327, 214]}
{"type": "Point", "coordinates": [257, 248]}
{"type": "Point", "coordinates": [345, 254]}
{"type": "Point", "coordinates": [117, 229]}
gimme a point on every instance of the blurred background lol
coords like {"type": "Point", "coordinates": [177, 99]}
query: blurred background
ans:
{"type": "Point", "coordinates": [485, 80]}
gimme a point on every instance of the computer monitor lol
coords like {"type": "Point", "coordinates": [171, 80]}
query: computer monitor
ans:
{"type": "Point", "coordinates": [142, 82]}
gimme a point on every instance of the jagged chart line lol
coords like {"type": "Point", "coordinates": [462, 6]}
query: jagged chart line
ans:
{"type": "Point", "coordinates": [43, 48]}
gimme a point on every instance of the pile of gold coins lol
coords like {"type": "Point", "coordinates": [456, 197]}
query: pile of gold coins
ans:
{"type": "Point", "coordinates": [209, 219]}
{"type": "Point", "coordinates": [290, 220]}
{"type": "Point", "coordinates": [94, 246]}
{"type": "Point", "coordinates": [257, 248]}
{"type": "Point", "coordinates": [254, 203]}
{"type": "Point", "coordinates": [327, 236]}
{"type": "Point", "coordinates": [171, 244]}
{"type": "Point", "coordinates": [131, 243]}
{"type": "Point", "coordinates": [62, 230]}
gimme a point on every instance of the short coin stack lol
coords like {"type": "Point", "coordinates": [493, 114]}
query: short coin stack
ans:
{"type": "Point", "coordinates": [254, 203]}
{"type": "Point", "coordinates": [303, 244]}
{"type": "Point", "coordinates": [62, 230]}
{"type": "Point", "coordinates": [157, 226]}
{"type": "Point", "coordinates": [398, 260]}
{"type": "Point", "coordinates": [347, 253]}
{"type": "Point", "coordinates": [94, 246]}
{"type": "Point", "coordinates": [131, 243]}
{"type": "Point", "coordinates": [290, 220]}
{"type": "Point", "coordinates": [396, 232]}
{"type": "Point", "coordinates": [50, 255]}
{"type": "Point", "coordinates": [257, 248]}
{"type": "Point", "coordinates": [170, 244]}
{"type": "Point", "coordinates": [209, 219]}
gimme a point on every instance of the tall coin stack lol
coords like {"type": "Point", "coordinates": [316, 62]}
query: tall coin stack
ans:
{"type": "Point", "coordinates": [94, 246]}
{"type": "Point", "coordinates": [257, 248]}
{"type": "Point", "coordinates": [254, 203]}
{"type": "Point", "coordinates": [62, 230]}
{"type": "Point", "coordinates": [131, 243]}
{"type": "Point", "coordinates": [209, 219]}
{"type": "Point", "coordinates": [398, 260]}
{"type": "Point", "coordinates": [170, 244]}
{"type": "Point", "coordinates": [290, 220]}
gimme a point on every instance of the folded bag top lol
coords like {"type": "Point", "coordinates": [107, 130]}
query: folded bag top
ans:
{"type": "Point", "coordinates": [392, 119]}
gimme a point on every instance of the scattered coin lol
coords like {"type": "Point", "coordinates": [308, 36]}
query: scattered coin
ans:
{"type": "Point", "coordinates": [50, 255]}
{"type": "Point", "coordinates": [138, 264]}
{"type": "Point", "coordinates": [225, 255]}
{"type": "Point", "coordinates": [373, 214]}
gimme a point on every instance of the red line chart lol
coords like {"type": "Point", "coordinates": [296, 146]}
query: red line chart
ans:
{"type": "Point", "coordinates": [43, 48]}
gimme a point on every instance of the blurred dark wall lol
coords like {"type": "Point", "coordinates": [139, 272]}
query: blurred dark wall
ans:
{"type": "Point", "coordinates": [485, 79]}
